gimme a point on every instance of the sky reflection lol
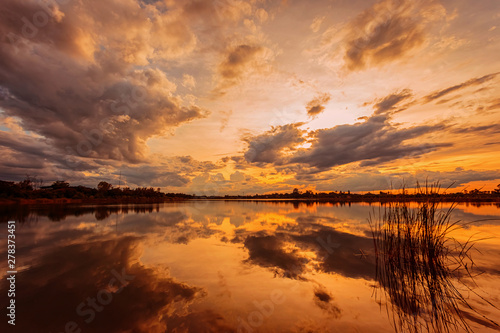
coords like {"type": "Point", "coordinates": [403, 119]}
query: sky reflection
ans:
{"type": "Point", "coordinates": [218, 267]}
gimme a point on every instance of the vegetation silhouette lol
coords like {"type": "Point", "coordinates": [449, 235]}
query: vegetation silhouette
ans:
{"type": "Point", "coordinates": [31, 190]}
{"type": "Point", "coordinates": [421, 269]}
{"type": "Point", "coordinates": [60, 191]}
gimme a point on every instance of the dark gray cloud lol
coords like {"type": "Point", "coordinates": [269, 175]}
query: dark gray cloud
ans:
{"type": "Point", "coordinates": [335, 251]}
{"type": "Point", "coordinates": [374, 141]}
{"type": "Point", "coordinates": [317, 105]}
{"type": "Point", "coordinates": [269, 147]}
{"type": "Point", "coordinates": [324, 300]}
{"type": "Point", "coordinates": [267, 251]}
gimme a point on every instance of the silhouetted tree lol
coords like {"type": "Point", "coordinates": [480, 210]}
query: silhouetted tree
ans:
{"type": "Point", "coordinates": [58, 184]}
{"type": "Point", "coordinates": [26, 184]}
{"type": "Point", "coordinates": [497, 190]}
{"type": "Point", "coordinates": [104, 186]}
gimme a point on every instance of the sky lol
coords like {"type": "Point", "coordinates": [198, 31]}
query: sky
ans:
{"type": "Point", "coordinates": [244, 97]}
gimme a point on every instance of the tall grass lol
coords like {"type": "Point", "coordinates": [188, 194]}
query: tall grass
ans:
{"type": "Point", "coordinates": [419, 264]}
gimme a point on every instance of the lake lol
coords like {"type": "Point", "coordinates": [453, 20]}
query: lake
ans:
{"type": "Point", "coordinates": [237, 266]}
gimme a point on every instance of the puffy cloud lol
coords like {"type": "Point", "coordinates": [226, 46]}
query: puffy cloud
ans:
{"type": "Point", "coordinates": [317, 105]}
{"type": "Point", "coordinates": [85, 80]}
{"type": "Point", "coordinates": [270, 147]}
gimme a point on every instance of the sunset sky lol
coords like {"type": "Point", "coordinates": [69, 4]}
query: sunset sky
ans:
{"type": "Point", "coordinates": [244, 97]}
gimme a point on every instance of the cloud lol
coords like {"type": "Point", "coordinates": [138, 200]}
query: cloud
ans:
{"type": "Point", "coordinates": [388, 31]}
{"type": "Point", "coordinates": [317, 105]}
{"type": "Point", "coordinates": [28, 155]}
{"type": "Point", "coordinates": [237, 59]}
{"type": "Point", "coordinates": [237, 176]}
{"type": "Point", "coordinates": [188, 81]}
{"type": "Point", "coordinates": [87, 268]}
{"type": "Point", "coordinates": [268, 251]}
{"type": "Point", "coordinates": [86, 82]}
{"type": "Point", "coordinates": [484, 129]}
{"type": "Point", "coordinates": [240, 60]}
{"type": "Point", "coordinates": [470, 83]}
{"type": "Point", "coordinates": [153, 176]}
{"type": "Point", "coordinates": [226, 115]}
{"type": "Point", "coordinates": [262, 15]}
{"type": "Point", "coordinates": [316, 23]}
{"type": "Point", "coordinates": [374, 141]}
{"type": "Point", "coordinates": [373, 181]}
{"type": "Point", "coordinates": [334, 252]}
{"type": "Point", "coordinates": [270, 146]}
{"type": "Point", "coordinates": [388, 104]}
{"type": "Point", "coordinates": [457, 177]}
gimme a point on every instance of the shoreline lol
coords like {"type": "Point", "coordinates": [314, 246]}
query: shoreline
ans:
{"type": "Point", "coordinates": [111, 201]}
{"type": "Point", "coordinates": [99, 201]}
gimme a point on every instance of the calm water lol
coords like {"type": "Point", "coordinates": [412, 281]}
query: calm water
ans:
{"type": "Point", "coordinates": [221, 266]}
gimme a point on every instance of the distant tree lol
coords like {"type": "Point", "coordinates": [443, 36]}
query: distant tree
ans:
{"type": "Point", "coordinates": [497, 190]}
{"type": "Point", "coordinates": [58, 184]}
{"type": "Point", "coordinates": [31, 183]}
{"type": "Point", "coordinates": [104, 186]}
{"type": "Point", "coordinates": [27, 184]}
{"type": "Point", "coordinates": [474, 191]}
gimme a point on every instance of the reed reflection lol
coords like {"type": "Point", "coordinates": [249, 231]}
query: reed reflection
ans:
{"type": "Point", "coordinates": [422, 273]}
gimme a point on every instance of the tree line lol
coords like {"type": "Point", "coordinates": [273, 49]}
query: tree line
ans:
{"type": "Point", "coordinates": [32, 188]}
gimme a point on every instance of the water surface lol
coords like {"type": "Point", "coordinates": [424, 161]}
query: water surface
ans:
{"type": "Point", "coordinates": [221, 266]}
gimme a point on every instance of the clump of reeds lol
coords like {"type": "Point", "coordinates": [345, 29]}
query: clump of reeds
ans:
{"type": "Point", "coordinates": [418, 264]}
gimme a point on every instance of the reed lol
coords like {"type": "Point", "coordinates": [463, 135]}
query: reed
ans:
{"type": "Point", "coordinates": [419, 266]}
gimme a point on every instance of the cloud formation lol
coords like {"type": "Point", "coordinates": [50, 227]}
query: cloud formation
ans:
{"type": "Point", "coordinates": [469, 83]}
{"type": "Point", "coordinates": [391, 102]}
{"type": "Point", "coordinates": [388, 31]}
{"type": "Point", "coordinates": [240, 60]}
{"type": "Point", "coordinates": [270, 146]}
{"type": "Point", "coordinates": [86, 269]}
{"type": "Point", "coordinates": [86, 80]}
{"type": "Point", "coordinates": [371, 142]}
{"type": "Point", "coordinates": [317, 105]}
